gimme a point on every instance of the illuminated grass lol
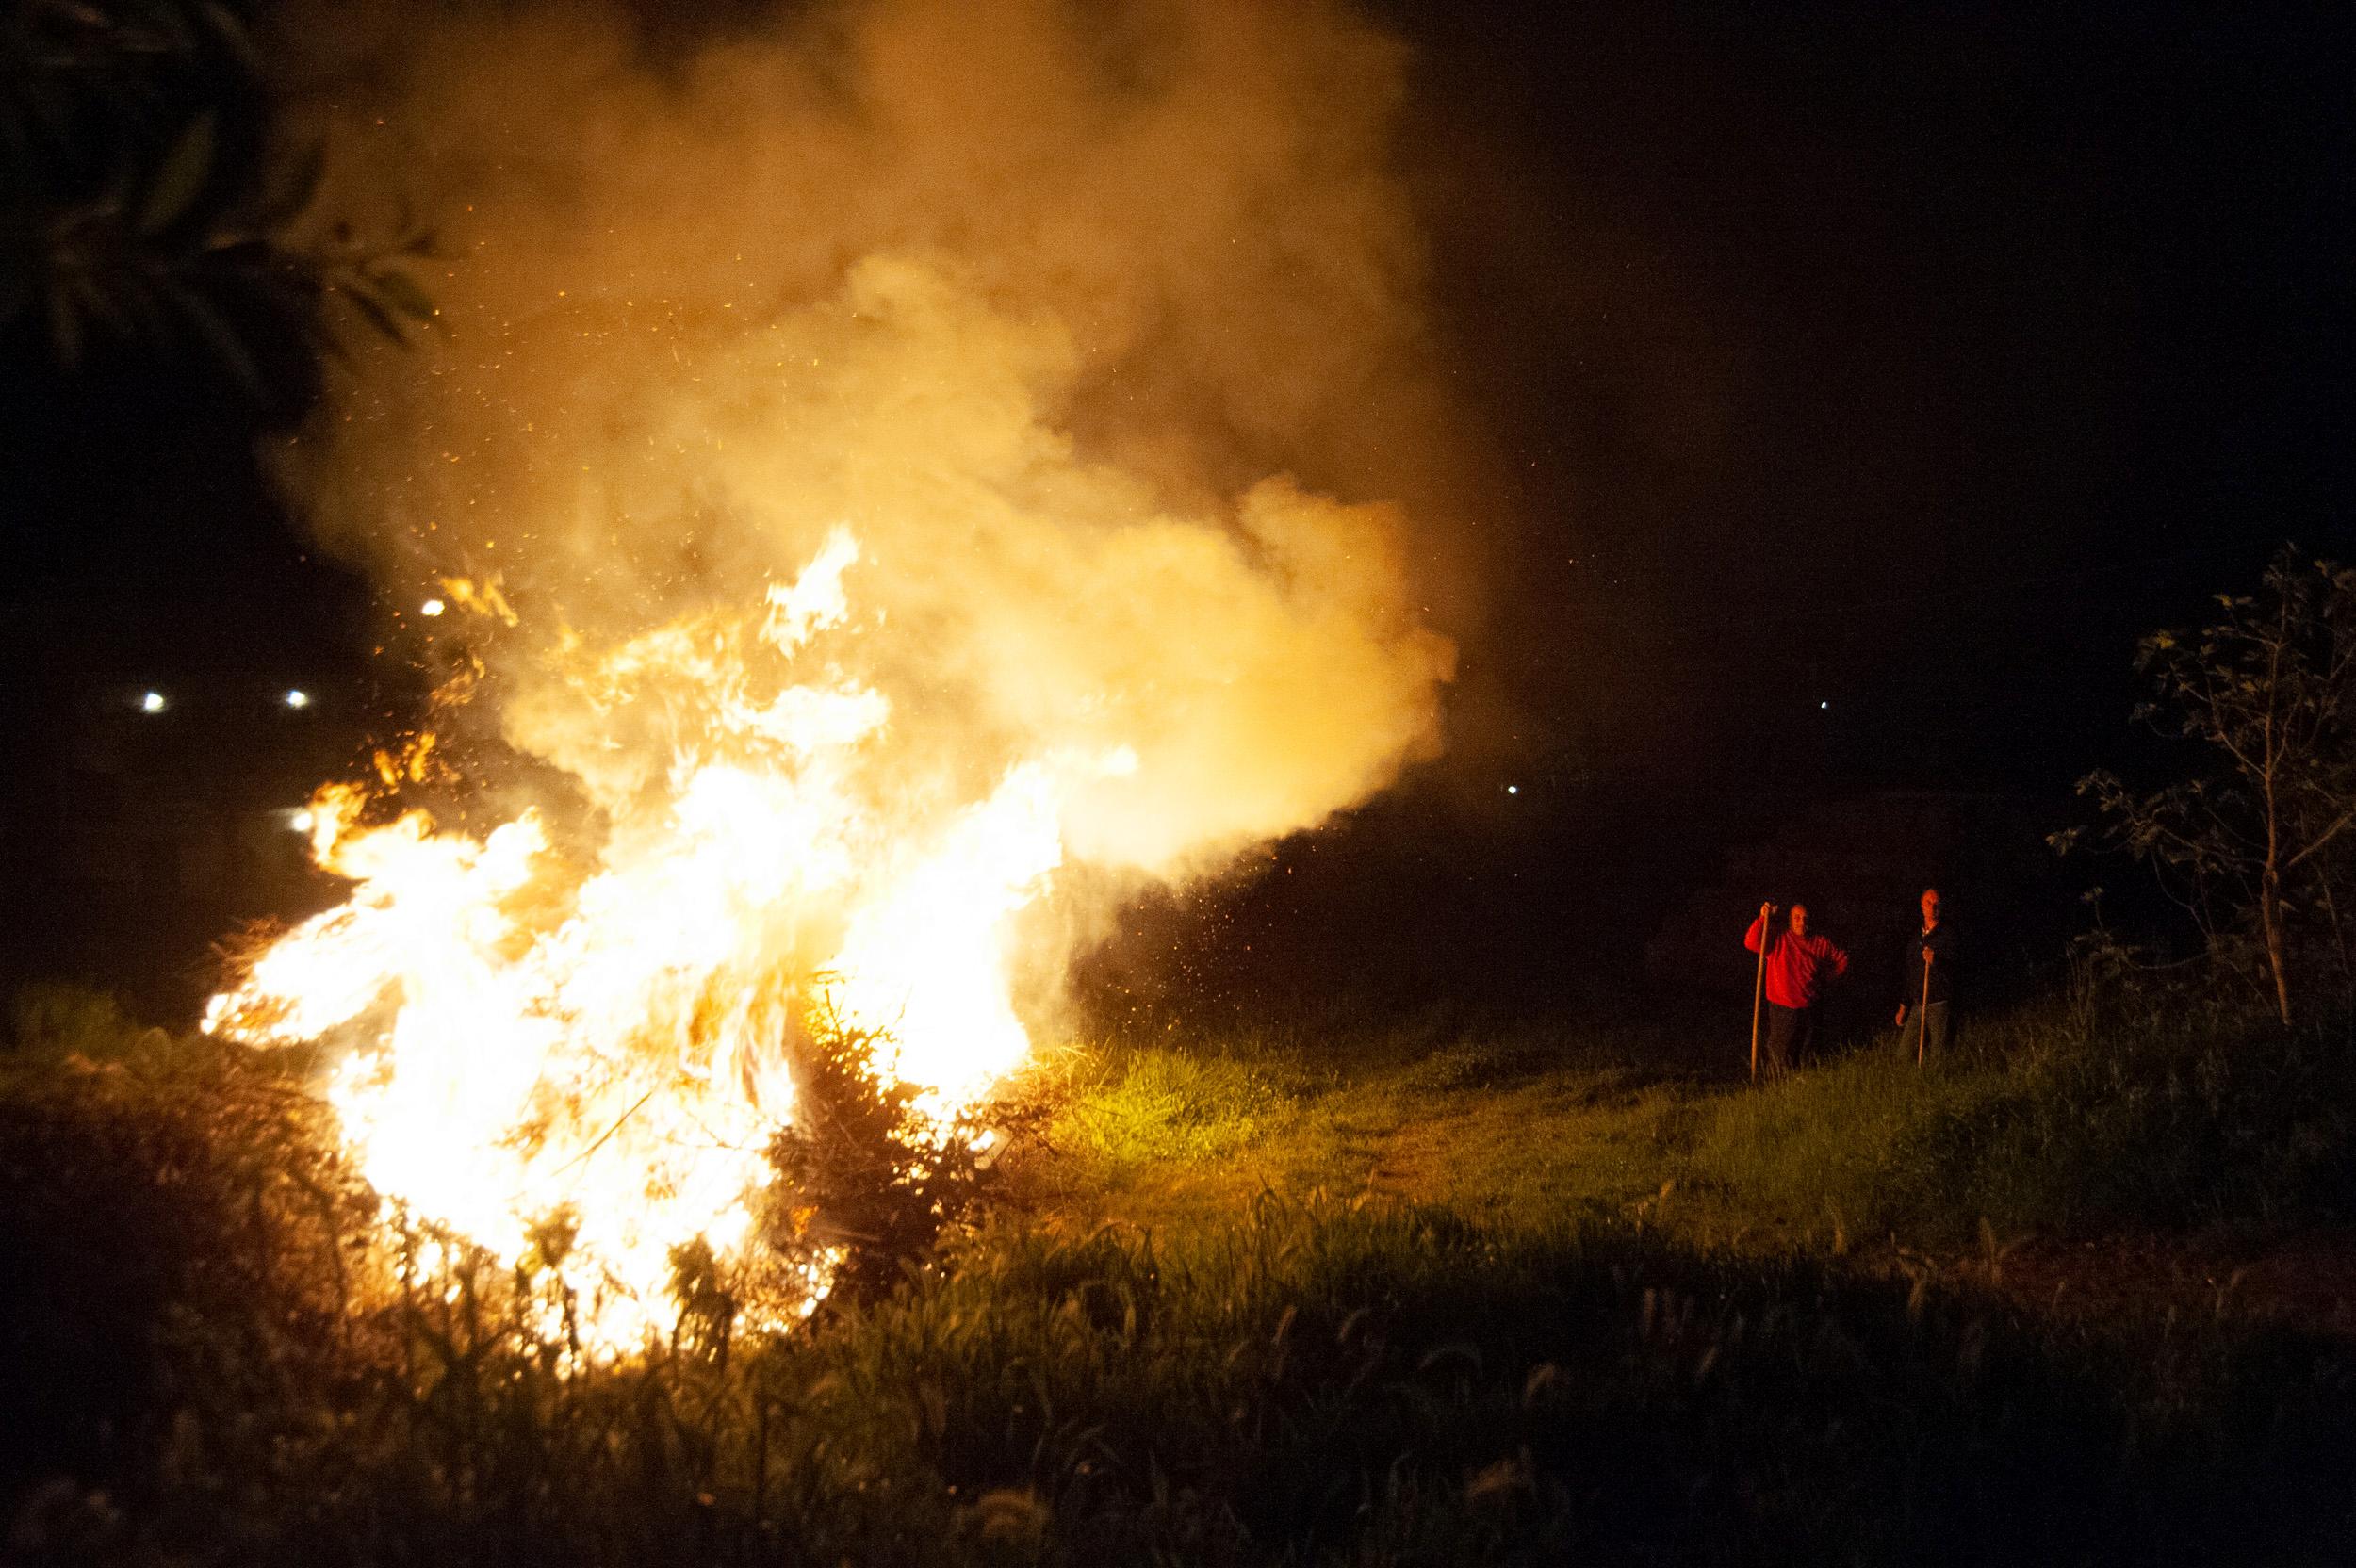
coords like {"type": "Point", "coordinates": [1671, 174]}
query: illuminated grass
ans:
{"type": "Point", "coordinates": [2158, 1120]}
{"type": "Point", "coordinates": [1861, 1147]}
{"type": "Point", "coordinates": [1496, 1129]}
{"type": "Point", "coordinates": [2163, 1122]}
{"type": "Point", "coordinates": [1149, 1106]}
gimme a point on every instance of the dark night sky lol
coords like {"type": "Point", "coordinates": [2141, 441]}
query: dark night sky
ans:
{"type": "Point", "coordinates": [1907, 359]}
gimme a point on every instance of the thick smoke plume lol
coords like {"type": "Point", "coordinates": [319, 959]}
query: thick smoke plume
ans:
{"type": "Point", "coordinates": [1091, 323]}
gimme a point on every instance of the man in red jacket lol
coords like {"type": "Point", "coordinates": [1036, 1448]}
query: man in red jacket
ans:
{"type": "Point", "coordinates": [1798, 968]}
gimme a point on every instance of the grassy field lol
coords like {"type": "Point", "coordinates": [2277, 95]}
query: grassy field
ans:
{"type": "Point", "coordinates": [1428, 1292]}
{"type": "Point", "coordinates": [2043, 1122]}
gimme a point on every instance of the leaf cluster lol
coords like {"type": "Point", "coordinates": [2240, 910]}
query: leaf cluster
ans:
{"type": "Point", "coordinates": [868, 1180]}
{"type": "Point", "coordinates": [146, 206]}
{"type": "Point", "coordinates": [2254, 835]}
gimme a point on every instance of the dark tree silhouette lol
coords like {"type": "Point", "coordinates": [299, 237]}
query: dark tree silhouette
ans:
{"type": "Point", "coordinates": [146, 203]}
{"type": "Point", "coordinates": [2253, 837]}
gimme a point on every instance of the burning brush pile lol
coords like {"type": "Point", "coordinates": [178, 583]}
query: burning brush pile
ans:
{"type": "Point", "coordinates": [830, 646]}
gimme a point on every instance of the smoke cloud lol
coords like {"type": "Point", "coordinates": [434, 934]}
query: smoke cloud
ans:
{"type": "Point", "coordinates": [1097, 327]}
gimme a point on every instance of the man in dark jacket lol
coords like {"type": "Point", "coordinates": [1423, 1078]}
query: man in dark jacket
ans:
{"type": "Point", "coordinates": [1930, 982]}
{"type": "Point", "coordinates": [1798, 966]}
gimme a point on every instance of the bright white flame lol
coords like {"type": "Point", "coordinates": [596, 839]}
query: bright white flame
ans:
{"type": "Point", "coordinates": [432, 608]}
{"type": "Point", "coordinates": [529, 1033]}
{"type": "Point", "coordinates": [152, 702]}
{"type": "Point", "coordinates": [299, 819]}
{"type": "Point", "coordinates": [298, 699]}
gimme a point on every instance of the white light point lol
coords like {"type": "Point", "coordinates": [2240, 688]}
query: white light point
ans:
{"type": "Point", "coordinates": [432, 608]}
{"type": "Point", "coordinates": [298, 699]}
{"type": "Point", "coordinates": [152, 702]}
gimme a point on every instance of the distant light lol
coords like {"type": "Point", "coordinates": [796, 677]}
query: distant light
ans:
{"type": "Point", "coordinates": [152, 702]}
{"type": "Point", "coordinates": [1513, 788]}
{"type": "Point", "coordinates": [432, 607]}
{"type": "Point", "coordinates": [299, 819]}
{"type": "Point", "coordinates": [298, 698]}
{"type": "Point", "coordinates": [1824, 704]}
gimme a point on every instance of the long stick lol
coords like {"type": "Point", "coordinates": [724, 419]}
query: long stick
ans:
{"type": "Point", "coordinates": [1922, 1018]}
{"type": "Point", "coordinates": [1759, 985]}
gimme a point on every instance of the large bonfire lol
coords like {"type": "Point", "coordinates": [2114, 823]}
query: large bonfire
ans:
{"type": "Point", "coordinates": [525, 1035]}
{"type": "Point", "coordinates": [855, 648]}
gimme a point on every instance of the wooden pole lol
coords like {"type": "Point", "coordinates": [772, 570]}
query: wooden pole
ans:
{"type": "Point", "coordinates": [1923, 1016]}
{"type": "Point", "coordinates": [1759, 985]}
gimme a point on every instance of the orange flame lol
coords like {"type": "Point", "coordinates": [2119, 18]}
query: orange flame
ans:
{"type": "Point", "coordinates": [526, 1040]}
